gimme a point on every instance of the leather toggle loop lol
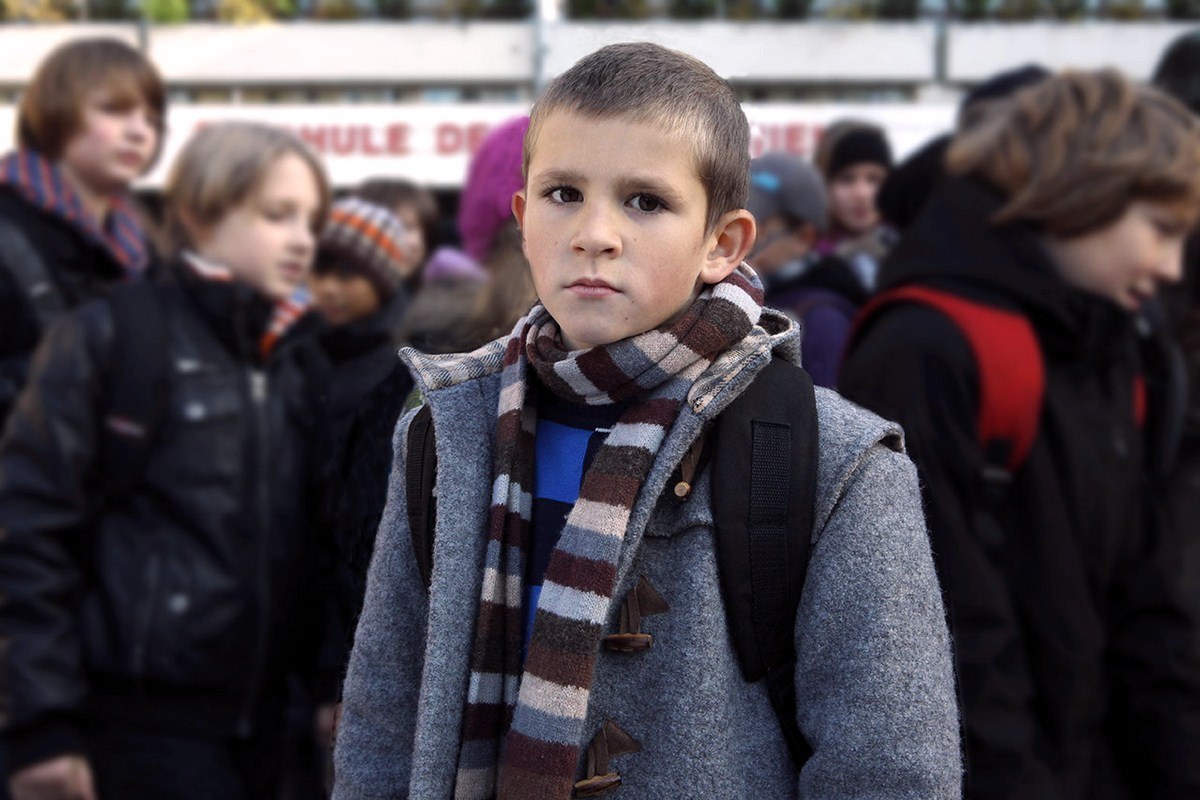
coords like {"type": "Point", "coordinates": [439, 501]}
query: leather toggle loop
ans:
{"type": "Point", "coordinates": [687, 470]}
{"type": "Point", "coordinates": [642, 601]}
{"type": "Point", "coordinates": [609, 741]}
{"type": "Point", "coordinates": [597, 785]}
{"type": "Point", "coordinates": [628, 642]}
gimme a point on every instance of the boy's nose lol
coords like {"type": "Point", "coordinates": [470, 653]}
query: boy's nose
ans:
{"type": "Point", "coordinates": [303, 239]}
{"type": "Point", "coordinates": [139, 124]}
{"type": "Point", "coordinates": [596, 234]}
{"type": "Point", "coordinates": [1171, 267]}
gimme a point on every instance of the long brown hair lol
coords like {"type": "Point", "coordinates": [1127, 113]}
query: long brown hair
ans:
{"type": "Point", "coordinates": [1072, 152]}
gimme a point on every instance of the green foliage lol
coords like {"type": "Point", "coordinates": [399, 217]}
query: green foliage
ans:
{"type": "Point", "coordinates": [742, 10]}
{"type": "Point", "coordinates": [971, 10]}
{"type": "Point", "coordinates": [167, 11]}
{"type": "Point", "coordinates": [111, 10]}
{"type": "Point", "coordinates": [851, 10]}
{"type": "Point", "coordinates": [393, 9]}
{"type": "Point", "coordinates": [36, 10]}
{"type": "Point", "coordinates": [897, 9]}
{"type": "Point", "coordinates": [1067, 9]}
{"type": "Point", "coordinates": [1018, 10]}
{"type": "Point", "coordinates": [692, 9]}
{"type": "Point", "coordinates": [507, 9]}
{"type": "Point", "coordinates": [794, 9]}
{"type": "Point", "coordinates": [607, 9]}
{"type": "Point", "coordinates": [1124, 10]}
{"type": "Point", "coordinates": [335, 10]}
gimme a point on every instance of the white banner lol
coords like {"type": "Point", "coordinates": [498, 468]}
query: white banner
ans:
{"type": "Point", "coordinates": [432, 144]}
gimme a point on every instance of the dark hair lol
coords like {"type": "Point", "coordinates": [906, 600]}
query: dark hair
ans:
{"type": "Point", "coordinates": [649, 83]}
{"type": "Point", "coordinates": [847, 142]}
{"type": "Point", "coordinates": [1178, 71]}
{"type": "Point", "coordinates": [1070, 153]}
{"type": "Point", "coordinates": [391, 193]}
{"type": "Point", "coordinates": [51, 106]}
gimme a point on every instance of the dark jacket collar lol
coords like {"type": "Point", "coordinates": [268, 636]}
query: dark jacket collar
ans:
{"type": "Point", "coordinates": [236, 313]}
{"type": "Point", "coordinates": [347, 342]}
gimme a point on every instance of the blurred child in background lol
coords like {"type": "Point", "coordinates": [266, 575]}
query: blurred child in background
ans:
{"type": "Point", "coordinates": [159, 569]}
{"type": "Point", "coordinates": [89, 124]}
{"type": "Point", "coordinates": [855, 158]}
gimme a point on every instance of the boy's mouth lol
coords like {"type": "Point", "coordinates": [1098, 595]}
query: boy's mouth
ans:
{"type": "Point", "coordinates": [592, 284]}
{"type": "Point", "coordinates": [591, 287]}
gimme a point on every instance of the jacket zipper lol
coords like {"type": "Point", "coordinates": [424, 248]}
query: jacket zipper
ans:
{"type": "Point", "coordinates": [257, 386]}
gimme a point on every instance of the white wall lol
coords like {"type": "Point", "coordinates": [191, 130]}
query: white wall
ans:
{"type": "Point", "coordinates": [864, 53]}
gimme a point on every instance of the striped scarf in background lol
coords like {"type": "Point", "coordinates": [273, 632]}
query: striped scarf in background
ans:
{"type": "Point", "coordinates": [36, 179]}
{"type": "Point", "coordinates": [523, 724]}
{"type": "Point", "coordinates": [287, 313]}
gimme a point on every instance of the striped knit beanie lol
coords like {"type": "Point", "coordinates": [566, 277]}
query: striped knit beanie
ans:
{"type": "Point", "coordinates": [362, 238]}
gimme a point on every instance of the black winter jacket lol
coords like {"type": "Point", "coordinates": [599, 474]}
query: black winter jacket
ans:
{"type": "Point", "coordinates": [359, 358]}
{"type": "Point", "coordinates": [80, 270]}
{"type": "Point", "coordinates": [179, 605]}
{"type": "Point", "coordinates": [1076, 658]}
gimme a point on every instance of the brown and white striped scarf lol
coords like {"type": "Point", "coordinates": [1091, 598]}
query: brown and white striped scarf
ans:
{"type": "Point", "coordinates": [522, 727]}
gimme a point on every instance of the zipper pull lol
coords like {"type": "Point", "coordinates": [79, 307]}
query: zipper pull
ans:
{"type": "Point", "coordinates": [258, 385]}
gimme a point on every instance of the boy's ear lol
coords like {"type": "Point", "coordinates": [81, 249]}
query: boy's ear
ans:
{"type": "Point", "coordinates": [728, 244]}
{"type": "Point", "coordinates": [518, 209]}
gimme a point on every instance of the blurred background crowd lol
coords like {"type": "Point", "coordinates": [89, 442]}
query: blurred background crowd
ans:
{"type": "Point", "coordinates": [243, 398]}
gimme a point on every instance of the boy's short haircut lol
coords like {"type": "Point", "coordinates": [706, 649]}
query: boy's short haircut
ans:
{"type": "Point", "coordinates": [220, 167]}
{"type": "Point", "coordinates": [1072, 152]}
{"type": "Point", "coordinates": [648, 83]}
{"type": "Point", "coordinates": [395, 192]}
{"type": "Point", "coordinates": [51, 110]}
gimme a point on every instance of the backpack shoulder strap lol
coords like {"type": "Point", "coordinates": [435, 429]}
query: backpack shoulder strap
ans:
{"type": "Point", "coordinates": [28, 271]}
{"type": "Point", "coordinates": [420, 477]}
{"type": "Point", "coordinates": [135, 386]}
{"type": "Point", "coordinates": [1012, 371]}
{"type": "Point", "coordinates": [764, 485]}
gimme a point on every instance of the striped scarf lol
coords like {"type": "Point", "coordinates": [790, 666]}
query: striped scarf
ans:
{"type": "Point", "coordinates": [523, 724]}
{"type": "Point", "coordinates": [40, 183]}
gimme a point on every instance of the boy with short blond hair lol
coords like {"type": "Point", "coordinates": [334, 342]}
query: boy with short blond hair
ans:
{"type": "Point", "coordinates": [553, 530]}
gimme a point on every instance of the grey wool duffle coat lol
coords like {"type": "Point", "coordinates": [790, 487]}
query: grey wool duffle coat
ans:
{"type": "Point", "coordinates": [874, 677]}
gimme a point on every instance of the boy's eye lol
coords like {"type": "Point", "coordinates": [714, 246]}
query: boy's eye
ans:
{"type": "Point", "coordinates": [647, 203]}
{"type": "Point", "coordinates": [564, 194]}
{"type": "Point", "coordinates": [1171, 229]}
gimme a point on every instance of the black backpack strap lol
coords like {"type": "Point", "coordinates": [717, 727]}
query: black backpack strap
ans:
{"type": "Point", "coordinates": [764, 487]}
{"type": "Point", "coordinates": [420, 477]}
{"type": "Point", "coordinates": [28, 270]}
{"type": "Point", "coordinates": [135, 385]}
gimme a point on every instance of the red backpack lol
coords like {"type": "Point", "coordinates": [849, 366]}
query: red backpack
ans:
{"type": "Point", "coordinates": [1012, 372]}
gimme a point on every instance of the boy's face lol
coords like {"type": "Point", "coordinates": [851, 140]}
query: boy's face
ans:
{"type": "Point", "coordinates": [414, 240]}
{"type": "Point", "coordinates": [268, 241]}
{"type": "Point", "coordinates": [115, 143]}
{"type": "Point", "coordinates": [1128, 261]}
{"type": "Point", "coordinates": [613, 221]}
{"type": "Point", "coordinates": [852, 196]}
{"type": "Point", "coordinates": [344, 298]}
